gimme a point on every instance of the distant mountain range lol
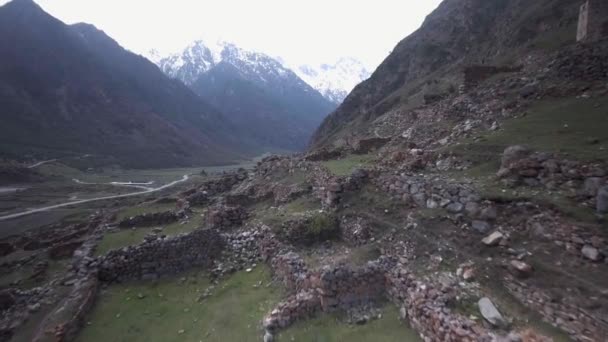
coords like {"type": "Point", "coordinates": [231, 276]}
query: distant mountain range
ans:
{"type": "Point", "coordinates": [335, 80]}
{"type": "Point", "coordinates": [68, 90]}
{"type": "Point", "coordinates": [255, 91]}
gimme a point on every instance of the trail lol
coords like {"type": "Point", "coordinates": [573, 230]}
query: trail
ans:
{"type": "Point", "coordinates": [123, 184]}
{"type": "Point", "coordinates": [67, 204]}
{"type": "Point", "coordinates": [41, 163]}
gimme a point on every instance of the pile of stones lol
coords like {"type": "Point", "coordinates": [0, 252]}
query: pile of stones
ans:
{"type": "Point", "coordinates": [419, 191]}
{"type": "Point", "coordinates": [241, 253]}
{"type": "Point", "coordinates": [523, 166]}
{"type": "Point", "coordinates": [355, 230]}
{"type": "Point", "coordinates": [224, 216]}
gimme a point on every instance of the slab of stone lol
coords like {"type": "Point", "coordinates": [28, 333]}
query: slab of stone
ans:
{"type": "Point", "coordinates": [493, 239]}
{"type": "Point", "coordinates": [489, 312]}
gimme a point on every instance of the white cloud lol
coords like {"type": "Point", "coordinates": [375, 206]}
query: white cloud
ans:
{"type": "Point", "coordinates": [304, 31]}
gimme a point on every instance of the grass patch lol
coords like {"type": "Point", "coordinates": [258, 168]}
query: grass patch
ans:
{"type": "Point", "coordinates": [559, 126]}
{"type": "Point", "coordinates": [345, 166]}
{"type": "Point", "coordinates": [326, 328]}
{"type": "Point", "coordinates": [130, 237]}
{"type": "Point", "coordinates": [169, 310]}
{"type": "Point", "coordinates": [145, 208]}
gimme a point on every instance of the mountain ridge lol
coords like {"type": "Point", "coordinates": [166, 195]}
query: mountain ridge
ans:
{"type": "Point", "coordinates": [97, 99]}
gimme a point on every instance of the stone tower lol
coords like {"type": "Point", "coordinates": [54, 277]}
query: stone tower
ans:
{"type": "Point", "coordinates": [592, 21]}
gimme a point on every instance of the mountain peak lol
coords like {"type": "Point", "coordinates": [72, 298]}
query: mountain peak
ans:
{"type": "Point", "coordinates": [23, 5]}
{"type": "Point", "coordinates": [334, 80]}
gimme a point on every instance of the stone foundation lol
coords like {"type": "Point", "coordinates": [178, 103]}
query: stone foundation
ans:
{"type": "Point", "coordinates": [161, 257]}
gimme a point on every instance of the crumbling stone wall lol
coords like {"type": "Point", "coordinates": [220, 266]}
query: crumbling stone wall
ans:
{"type": "Point", "coordinates": [425, 305]}
{"type": "Point", "coordinates": [160, 257]}
{"type": "Point", "coordinates": [224, 216]}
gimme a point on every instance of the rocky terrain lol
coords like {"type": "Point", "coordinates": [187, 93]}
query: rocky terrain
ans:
{"type": "Point", "coordinates": [478, 213]}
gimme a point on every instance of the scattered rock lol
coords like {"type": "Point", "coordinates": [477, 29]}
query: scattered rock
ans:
{"type": "Point", "coordinates": [513, 154]}
{"type": "Point", "coordinates": [468, 273]}
{"type": "Point", "coordinates": [481, 227]}
{"type": "Point", "coordinates": [455, 207]}
{"type": "Point", "coordinates": [591, 253]}
{"type": "Point", "coordinates": [521, 268]}
{"type": "Point", "coordinates": [489, 312]}
{"type": "Point", "coordinates": [602, 200]}
{"type": "Point", "coordinates": [493, 239]}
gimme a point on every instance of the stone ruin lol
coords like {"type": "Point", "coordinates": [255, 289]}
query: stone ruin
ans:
{"type": "Point", "coordinates": [592, 21]}
{"type": "Point", "coordinates": [154, 259]}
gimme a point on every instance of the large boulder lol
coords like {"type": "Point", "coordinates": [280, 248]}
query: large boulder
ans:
{"type": "Point", "coordinates": [602, 200]}
{"type": "Point", "coordinates": [490, 313]}
{"type": "Point", "coordinates": [511, 155]}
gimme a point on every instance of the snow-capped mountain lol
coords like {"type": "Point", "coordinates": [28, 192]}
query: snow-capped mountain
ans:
{"type": "Point", "coordinates": [257, 92]}
{"type": "Point", "coordinates": [334, 81]}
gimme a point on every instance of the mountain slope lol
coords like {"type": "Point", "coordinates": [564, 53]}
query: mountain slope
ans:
{"type": "Point", "coordinates": [72, 89]}
{"type": "Point", "coordinates": [336, 80]}
{"type": "Point", "coordinates": [256, 92]}
{"type": "Point", "coordinates": [431, 60]}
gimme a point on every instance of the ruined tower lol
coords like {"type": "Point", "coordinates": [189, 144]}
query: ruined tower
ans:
{"type": "Point", "coordinates": [592, 21]}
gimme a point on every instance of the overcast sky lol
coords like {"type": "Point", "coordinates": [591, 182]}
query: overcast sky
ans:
{"type": "Point", "coordinates": [301, 31]}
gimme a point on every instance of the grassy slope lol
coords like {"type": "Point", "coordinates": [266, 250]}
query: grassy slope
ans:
{"type": "Point", "coordinates": [128, 237]}
{"type": "Point", "coordinates": [345, 166]}
{"type": "Point", "coordinates": [326, 328]}
{"type": "Point", "coordinates": [232, 313]}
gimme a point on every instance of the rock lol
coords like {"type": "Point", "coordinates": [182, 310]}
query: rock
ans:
{"type": "Point", "coordinates": [403, 313]}
{"type": "Point", "coordinates": [489, 214]}
{"type": "Point", "coordinates": [455, 207]}
{"type": "Point", "coordinates": [591, 253]}
{"type": "Point", "coordinates": [592, 186]}
{"type": "Point", "coordinates": [481, 227]}
{"type": "Point", "coordinates": [7, 300]}
{"type": "Point", "coordinates": [432, 204]}
{"type": "Point", "coordinates": [602, 200]}
{"type": "Point", "coordinates": [472, 208]}
{"type": "Point", "coordinates": [493, 239]}
{"type": "Point", "coordinates": [513, 154]}
{"type": "Point", "coordinates": [420, 199]}
{"type": "Point", "coordinates": [489, 312]}
{"type": "Point", "coordinates": [528, 90]}
{"type": "Point", "coordinates": [468, 273]}
{"type": "Point", "coordinates": [521, 268]}
{"type": "Point", "coordinates": [268, 337]}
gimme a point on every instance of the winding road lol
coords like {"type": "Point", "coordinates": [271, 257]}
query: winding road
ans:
{"type": "Point", "coordinates": [67, 204]}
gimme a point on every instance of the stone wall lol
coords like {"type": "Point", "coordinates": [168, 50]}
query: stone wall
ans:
{"type": "Point", "coordinates": [225, 216]}
{"type": "Point", "coordinates": [160, 257]}
{"type": "Point", "coordinates": [425, 305]}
